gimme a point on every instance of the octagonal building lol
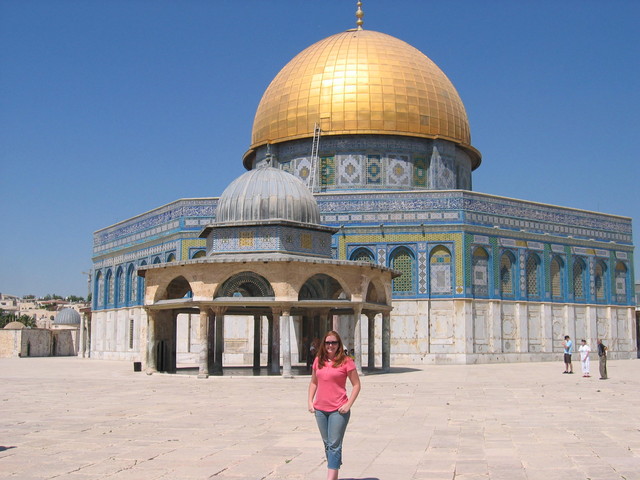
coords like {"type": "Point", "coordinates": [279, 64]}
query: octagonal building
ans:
{"type": "Point", "coordinates": [380, 136]}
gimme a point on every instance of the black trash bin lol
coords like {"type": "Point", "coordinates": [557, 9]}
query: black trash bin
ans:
{"type": "Point", "coordinates": [137, 366]}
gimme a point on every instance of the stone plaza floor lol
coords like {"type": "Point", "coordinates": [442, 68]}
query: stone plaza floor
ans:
{"type": "Point", "coordinates": [84, 419]}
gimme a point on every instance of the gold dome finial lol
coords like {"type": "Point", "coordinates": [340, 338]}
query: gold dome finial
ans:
{"type": "Point", "coordinates": [359, 15]}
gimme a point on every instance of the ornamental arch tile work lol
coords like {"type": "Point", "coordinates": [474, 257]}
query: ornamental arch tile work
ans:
{"type": "Point", "coordinates": [385, 227]}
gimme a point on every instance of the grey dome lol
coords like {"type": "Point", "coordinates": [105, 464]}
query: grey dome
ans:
{"type": "Point", "coordinates": [267, 193]}
{"type": "Point", "coordinates": [67, 316]}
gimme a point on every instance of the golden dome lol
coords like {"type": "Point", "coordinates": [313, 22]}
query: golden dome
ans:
{"type": "Point", "coordinates": [361, 82]}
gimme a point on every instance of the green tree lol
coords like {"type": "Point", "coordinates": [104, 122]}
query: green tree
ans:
{"type": "Point", "coordinates": [26, 320]}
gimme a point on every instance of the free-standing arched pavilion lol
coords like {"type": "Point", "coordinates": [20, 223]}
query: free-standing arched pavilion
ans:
{"type": "Point", "coordinates": [267, 257]}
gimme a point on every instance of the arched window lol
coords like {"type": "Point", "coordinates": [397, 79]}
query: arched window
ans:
{"type": "Point", "coordinates": [599, 281]}
{"type": "Point", "coordinates": [199, 254]}
{"type": "Point", "coordinates": [402, 260]}
{"type": "Point", "coordinates": [480, 279]}
{"type": "Point", "coordinates": [108, 288]}
{"type": "Point", "coordinates": [533, 274]}
{"type": "Point", "coordinates": [131, 285]}
{"type": "Point", "coordinates": [440, 271]}
{"type": "Point", "coordinates": [171, 257]}
{"type": "Point", "coordinates": [362, 255]}
{"type": "Point", "coordinates": [119, 287]}
{"type": "Point", "coordinates": [555, 272]}
{"type": "Point", "coordinates": [98, 294]}
{"type": "Point", "coordinates": [156, 261]}
{"type": "Point", "coordinates": [579, 273]}
{"type": "Point", "coordinates": [141, 286]}
{"type": "Point", "coordinates": [621, 282]}
{"type": "Point", "coordinates": [506, 274]}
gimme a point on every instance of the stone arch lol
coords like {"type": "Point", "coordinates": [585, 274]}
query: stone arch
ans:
{"type": "Point", "coordinates": [179, 287]}
{"type": "Point", "coordinates": [245, 284]}
{"type": "Point", "coordinates": [321, 287]}
{"type": "Point", "coordinates": [376, 293]}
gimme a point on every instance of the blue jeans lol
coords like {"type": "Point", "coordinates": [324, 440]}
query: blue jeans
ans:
{"type": "Point", "coordinates": [332, 426]}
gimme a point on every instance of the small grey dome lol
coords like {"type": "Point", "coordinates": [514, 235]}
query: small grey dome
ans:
{"type": "Point", "coordinates": [267, 193]}
{"type": "Point", "coordinates": [67, 316]}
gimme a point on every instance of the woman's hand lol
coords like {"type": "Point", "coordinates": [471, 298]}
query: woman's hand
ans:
{"type": "Point", "coordinates": [344, 408]}
{"type": "Point", "coordinates": [311, 409]}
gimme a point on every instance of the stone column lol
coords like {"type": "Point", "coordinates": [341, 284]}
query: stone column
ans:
{"type": "Point", "coordinates": [151, 342]}
{"type": "Point", "coordinates": [285, 339]}
{"type": "Point", "coordinates": [203, 336]}
{"type": "Point", "coordinates": [274, 368]}
{"type": "Point", "coordinates": [269, 342]}
{"type": "Point", "coordinates": [357, 337]}
{"type": "Point", "coordinates": [386, 341]}
{"type": "Point", "coordinates": [256, 342]}
{"type": "Point", "coordinates": [371, 345]}
{"type": "Point", "coordinates": [81, 336]}
{"type": "Point", "coordinates": [219, 341]}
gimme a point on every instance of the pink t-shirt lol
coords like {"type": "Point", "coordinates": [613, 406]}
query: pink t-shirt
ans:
{"type": "Point", "coordinates": [332, 393]}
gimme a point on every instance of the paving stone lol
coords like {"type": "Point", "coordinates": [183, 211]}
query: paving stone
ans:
{"type": "Point", "coordinates": [84, 419]}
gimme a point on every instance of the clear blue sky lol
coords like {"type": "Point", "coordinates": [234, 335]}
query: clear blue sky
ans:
{"type": "Point", "coordinates": [111, 108]}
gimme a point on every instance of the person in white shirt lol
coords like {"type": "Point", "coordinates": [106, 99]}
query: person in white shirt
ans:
{"type": "Point", "coordinates": [584, 357]}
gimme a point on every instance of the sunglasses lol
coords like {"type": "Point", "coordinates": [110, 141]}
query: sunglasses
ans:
{"type": "Point", "coordinates": [334, 342]}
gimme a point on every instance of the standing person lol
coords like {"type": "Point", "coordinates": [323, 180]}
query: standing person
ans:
{"type": "Point", "coordinates": [313, 350]}
{"type": "Point", "coordinates": [328, 397]}
{"type": "Point", "coordinates": [568, 350]}
{"type": "Point", "coordinates": [585, 350]}
{"type": "Point", "coordinates": [602, 353]}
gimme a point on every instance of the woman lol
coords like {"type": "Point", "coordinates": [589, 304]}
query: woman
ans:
{"type": "Point", "coordinates": [328, 397]}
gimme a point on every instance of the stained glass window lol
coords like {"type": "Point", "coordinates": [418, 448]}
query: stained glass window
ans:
{"type": "Point", "coordinates": [599, 280]}
{"type": "Point", "coordinates": [621, 282]}
{"type": "Point", "coordinates": [578, 278]}
{"type": "Point", "coordinates": [121, 287]}
{"type": "Point", "coordinates": [109, 288]}
{"type": "Point", "coordinates": [327, 171]}
{"type": "Point", "coordinates": [479, 278]}
{"type": "Point", "coordinates": [403, 262]}
{"type": "Point", "coordinates": [506, 274]}
{"type": "Point", "coordinates": [131, 285]}
{"type": "Point", "coordinates": [556, 279]}
{"type": "Point", "coordinates": [533, 263]}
